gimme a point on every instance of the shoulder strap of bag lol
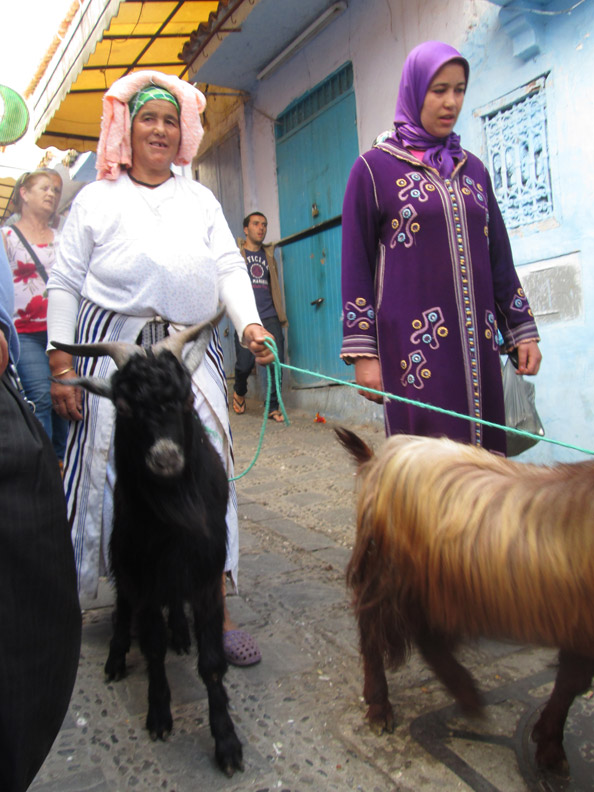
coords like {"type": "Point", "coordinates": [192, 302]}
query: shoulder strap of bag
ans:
{"type": "Point", "coordinates": [38, 265]}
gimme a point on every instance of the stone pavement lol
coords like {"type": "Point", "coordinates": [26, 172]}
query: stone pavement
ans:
{"type": "Point", "coordinates": [299, 713]}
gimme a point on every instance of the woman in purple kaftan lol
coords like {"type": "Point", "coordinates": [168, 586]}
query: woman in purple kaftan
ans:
{"type": "Point", "coordinates": [428, 279]}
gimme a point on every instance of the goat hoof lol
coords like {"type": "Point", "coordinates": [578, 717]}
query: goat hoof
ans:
{"type": "Point", "coordinates": [381, 721]}
{"type": "Point", "coordinates": [379, 728]}
{"type": "Point", "coordinates": [230, 771]}
{"type": "Point", "coordinates": [115, 669]}
{"type": "Point", "coordinates": [551, 756]}
{"type": "Point", "coordinates": [159, 736]}
{"type": "Point", "coordinates": [158, 726]}
{"type": "Point", "coordinates": [230, 755]}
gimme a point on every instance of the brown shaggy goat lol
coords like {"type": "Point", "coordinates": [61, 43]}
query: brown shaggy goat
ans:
{"type": "Point", "coordinates": [454, 542]}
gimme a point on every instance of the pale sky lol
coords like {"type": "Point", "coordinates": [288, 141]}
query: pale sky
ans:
{"type": "Point", "coordinates": [27, 30]}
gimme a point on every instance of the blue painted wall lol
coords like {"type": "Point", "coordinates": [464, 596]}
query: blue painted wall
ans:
{"type": "Point", "coordinates": [565, 386]}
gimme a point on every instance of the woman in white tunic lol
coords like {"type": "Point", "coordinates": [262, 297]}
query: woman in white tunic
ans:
{"type": "Point", "coordinates": [142, 250]}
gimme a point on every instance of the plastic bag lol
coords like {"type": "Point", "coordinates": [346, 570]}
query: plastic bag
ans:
{"type": "Point", "coordinates": [520, 410]}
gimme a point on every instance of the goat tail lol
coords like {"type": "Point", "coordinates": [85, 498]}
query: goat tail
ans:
{"type": "Point", "coordinates": [382, 626]}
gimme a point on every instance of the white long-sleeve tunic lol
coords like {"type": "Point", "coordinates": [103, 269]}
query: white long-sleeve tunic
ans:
{"type": "Point", "coordinates": [166, 251]}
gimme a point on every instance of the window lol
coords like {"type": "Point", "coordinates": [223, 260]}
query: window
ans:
{"type": "Point", "coordinates": [515, 128]}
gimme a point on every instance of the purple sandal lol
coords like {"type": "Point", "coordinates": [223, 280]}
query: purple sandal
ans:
{"type": "Point", "coordinates": [240, 648]}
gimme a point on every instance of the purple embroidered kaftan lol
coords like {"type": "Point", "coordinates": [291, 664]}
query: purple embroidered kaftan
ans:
{"type": "Point", "coordinates": [427, 279]}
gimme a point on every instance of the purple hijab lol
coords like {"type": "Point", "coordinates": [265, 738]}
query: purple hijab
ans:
{"type": "Point", "coordinates": [421, 65]}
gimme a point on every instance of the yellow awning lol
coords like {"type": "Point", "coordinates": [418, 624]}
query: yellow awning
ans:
{"type": "Point", "coordinates": [106, 40]}
{"type": "Point", "coordinates": [6, 188]}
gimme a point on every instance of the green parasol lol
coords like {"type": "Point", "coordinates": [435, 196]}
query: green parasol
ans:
{"type": "Point", "coordinates": [14, 116]}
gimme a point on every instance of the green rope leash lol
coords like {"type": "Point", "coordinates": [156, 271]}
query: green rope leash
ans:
{"type": "Point", "coordinates": [277, 365]}
{"type": "Point", "coordinates": [266, 409]}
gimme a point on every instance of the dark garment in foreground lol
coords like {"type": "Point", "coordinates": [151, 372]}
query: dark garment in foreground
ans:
{"type": "Point", "coordinates": [428, 279]}
{"type": "Point", "coordinates": [39, 609]}
{"type": "Point", "coordinates": [245, 361]}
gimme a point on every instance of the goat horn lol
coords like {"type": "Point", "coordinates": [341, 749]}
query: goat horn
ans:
{"type": "Point", "coordinates": [175, 343]}
{"type": "Point", "coordinates": [118, 351]}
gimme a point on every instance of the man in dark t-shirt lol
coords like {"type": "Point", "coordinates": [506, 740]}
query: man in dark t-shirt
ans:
{"type": "Point", "coordinates": [263, 271]}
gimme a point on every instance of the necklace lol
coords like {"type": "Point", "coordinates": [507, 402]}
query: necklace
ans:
{"type": "Point", "coordinates": [146, 184]}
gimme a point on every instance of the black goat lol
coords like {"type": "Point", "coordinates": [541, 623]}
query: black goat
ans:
{"type": "Point", "coordinates": [169, 538]}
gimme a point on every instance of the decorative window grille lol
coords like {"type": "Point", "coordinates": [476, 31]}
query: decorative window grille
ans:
{"type": "Point", "coordinates": [518, 155]}
{"type": "Point", "coordinates": [305, 108]}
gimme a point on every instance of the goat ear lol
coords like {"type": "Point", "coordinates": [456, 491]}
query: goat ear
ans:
{"type": "Point", "coordinates": [118, 351]}
{"type": "Point", "coordinates": [96, 385]}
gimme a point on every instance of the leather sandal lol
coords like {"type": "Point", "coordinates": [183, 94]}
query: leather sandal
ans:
{"type": "Point", "coordinates": [276, 415]}
{"type": "Point", "coordinates": [238, 404]}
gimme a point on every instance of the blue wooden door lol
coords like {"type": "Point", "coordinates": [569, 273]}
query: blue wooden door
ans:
{"type": "Point", "coordinates": [316, 147]}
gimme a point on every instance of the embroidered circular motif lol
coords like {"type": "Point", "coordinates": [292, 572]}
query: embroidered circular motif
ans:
{"type": "Point", "coordinates": [395, 223]}
{"type": "Point", "coordinates": [488, 334]}
{"type": "Point", "coordinates": [414, 227]}
{"type": "Point", "coordinates": [432, 316]}
{"type": "Point", "coordinates": [360, 301]}
{"type": "Point", "coordinates": [415, 176]}
{"type": "Point", "coordinates": [466, 191]}
{"type": "Point", "coordinates": [364, 325]}
{"type": "Point", "coordinates": [490, 318]}
{"type": "Point", "coordinates": [410, 379]}
{"type": "Point", "coordinates": [406, 213]}
{"type": "Point", "coordinates": [425, 373]}
{"type": "Point", "coordinates": [415, 193]}
{"type": "Point", "coordinates": [430, 187]}
{"type": "Point", "coordinates": [486, 231]}
{"type": "Point", "coordinates": [479, 187]}
{"type": "Point", "coordinates": [427, 338]}
{"type": "Point", "coordinates": [351, 315]}
{"type": "Point", "coordinates": [468, 180]}
{"type": "Point", "coordinates": [480, 197]}
{"type": "Point", "coordinates": [401, 182]}
{"type": "Point", "coordinates": [371, 313]}
{"type": "Point", "coordinates": [401, 237]}
{"type": "Point", "coordinates": [403, 364]}
{"type": "Point", "coordinates": [416, 358]}
{"type": "Point", "coordinates": [442, 332]}
{"type": "Point", "coordinates": [521, 292]}
{"type": "Point", "coordinates": [417, 324]}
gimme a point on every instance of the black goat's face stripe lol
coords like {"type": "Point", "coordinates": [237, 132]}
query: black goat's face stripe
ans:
{"type": "Point", "coordinates": [165, 458]}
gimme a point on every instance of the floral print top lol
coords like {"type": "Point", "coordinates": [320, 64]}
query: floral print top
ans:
{"type": "Point", "coordinates": [30, 295]}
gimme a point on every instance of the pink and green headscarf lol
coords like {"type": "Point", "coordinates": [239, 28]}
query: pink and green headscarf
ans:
{"type": "Point", "coordinates": [114, 149]}
{"type": "Point", "coordinates": [420, 67]}
{"type": "Point", "coordinates": [148, 94]}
